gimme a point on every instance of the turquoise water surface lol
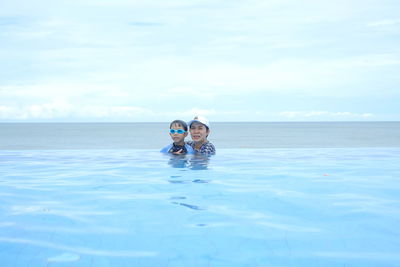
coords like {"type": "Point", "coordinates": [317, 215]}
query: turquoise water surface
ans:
{"type": "Point", "coordinates": [242, 207]}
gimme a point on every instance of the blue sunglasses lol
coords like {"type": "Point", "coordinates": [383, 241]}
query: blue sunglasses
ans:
{"type": "Point", "coordinates": [180, 131]}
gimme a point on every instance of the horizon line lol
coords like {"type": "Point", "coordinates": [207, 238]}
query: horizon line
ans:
{"type": "Point", "coordinates": [66, 122]}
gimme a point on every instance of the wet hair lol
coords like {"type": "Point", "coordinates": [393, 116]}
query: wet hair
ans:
{"type": "Point", "coordinates": [179, 123]}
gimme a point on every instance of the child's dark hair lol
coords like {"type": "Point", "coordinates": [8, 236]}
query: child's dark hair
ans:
{"type": "Point", "coordinates": [180, 123]}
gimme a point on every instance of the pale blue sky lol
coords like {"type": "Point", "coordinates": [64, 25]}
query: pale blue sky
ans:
{"type": "Point", "coordinates": [255, 60]}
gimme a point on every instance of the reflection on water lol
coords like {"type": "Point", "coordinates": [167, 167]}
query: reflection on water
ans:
{"type": "Point", "coordinates": [142, 208]}
{"type": "Point", "coordinates": [193, 162]}
{"type": "Point", "coordinates": [190, 206]}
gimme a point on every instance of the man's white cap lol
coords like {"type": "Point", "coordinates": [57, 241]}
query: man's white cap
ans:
{"type": "Point", "coordinates": [199, 119]}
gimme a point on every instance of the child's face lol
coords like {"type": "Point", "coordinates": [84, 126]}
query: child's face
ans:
{"type": "Point", "coordinates": [176, 137]}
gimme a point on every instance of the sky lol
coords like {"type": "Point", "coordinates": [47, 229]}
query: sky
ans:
{"type": "Point", "coordinates": [156, 61]}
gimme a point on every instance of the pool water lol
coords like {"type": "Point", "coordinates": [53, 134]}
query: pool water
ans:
{"type": "Point", "coordinates": [241, 207]}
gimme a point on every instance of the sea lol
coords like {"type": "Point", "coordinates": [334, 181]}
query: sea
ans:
{"type": "Point", "coordinates": [275, 194]}
{"type": "Point", "coordinates": [223, 135]}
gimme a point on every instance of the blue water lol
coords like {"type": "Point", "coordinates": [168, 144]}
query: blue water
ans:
{"type": "Point", "coordinates": [153, 135]}
{"type": "Point", "coordinates": [242, 207]}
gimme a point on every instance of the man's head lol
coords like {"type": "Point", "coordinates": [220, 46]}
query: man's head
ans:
{"type": "Point", "coordinates": [199, 129]}
{"type": "Point", "coordinates": [200, 119]}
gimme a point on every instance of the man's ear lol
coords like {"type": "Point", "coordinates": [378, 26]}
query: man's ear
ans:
{"type": "Point", "coordinates": [185, 134]}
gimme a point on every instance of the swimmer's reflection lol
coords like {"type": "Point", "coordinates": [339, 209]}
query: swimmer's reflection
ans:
{"type": "Point", "coordinates": [178, 161]}
{"type": "Point", "coordinates": [194, 162]}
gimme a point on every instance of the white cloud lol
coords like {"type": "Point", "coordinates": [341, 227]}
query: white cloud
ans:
{"type": "Point", "coordinates": [323, 115]}
{"type": "Point", "coordinates": [60, 110]}
{"type": "Point", "coordinates": [119, 59]}
{"type": "Point", "coordinates": [368, 60]}
{"type": "Point", "coordinates": [201, 112]}
{"type": "Point", "coordinates": [7, 112]}
{"type": "Point", "coordinates": [112, 112]}
{"type": "Point", "coordinates": [67, 92]}
{"type": "Point", "coordinates": [56, 109]}
{"type": "Point", "coordinates": [181, 114]}
{"type": "Point", "coordinates": [147, 4]}
{"type": "Point", "coordinates": [309, 76]}
{"type": "Point", "coordinates": [49, 90]}
{"type": "Point", "coordinates": [385, 22]}
{"type": "Point", "coordinates": [69, 111]}
{"type": "Point", "coordinates": [205, 93]}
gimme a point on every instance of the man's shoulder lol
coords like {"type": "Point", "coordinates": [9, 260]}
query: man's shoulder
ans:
{"type": "Point", "coordinates": [208, 148]}
{"type": "Point", "coordinates": [208, 144]}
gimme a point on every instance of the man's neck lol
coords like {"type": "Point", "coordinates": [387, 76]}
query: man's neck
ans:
{"type": "Point", "coordinates": [200, 143]}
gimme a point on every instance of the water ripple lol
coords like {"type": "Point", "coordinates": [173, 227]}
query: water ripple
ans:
{"type": "Point", "coordinates": [81, 250]}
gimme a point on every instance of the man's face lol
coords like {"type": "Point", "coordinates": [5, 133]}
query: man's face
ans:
{"type": "Point", "coordinates": [198, 132]}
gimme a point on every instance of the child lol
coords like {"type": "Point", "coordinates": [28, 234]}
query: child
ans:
{"type": "Point", "coordinates": [178, 132]}
{"type": "Point", "coordinates": [199, 129]}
